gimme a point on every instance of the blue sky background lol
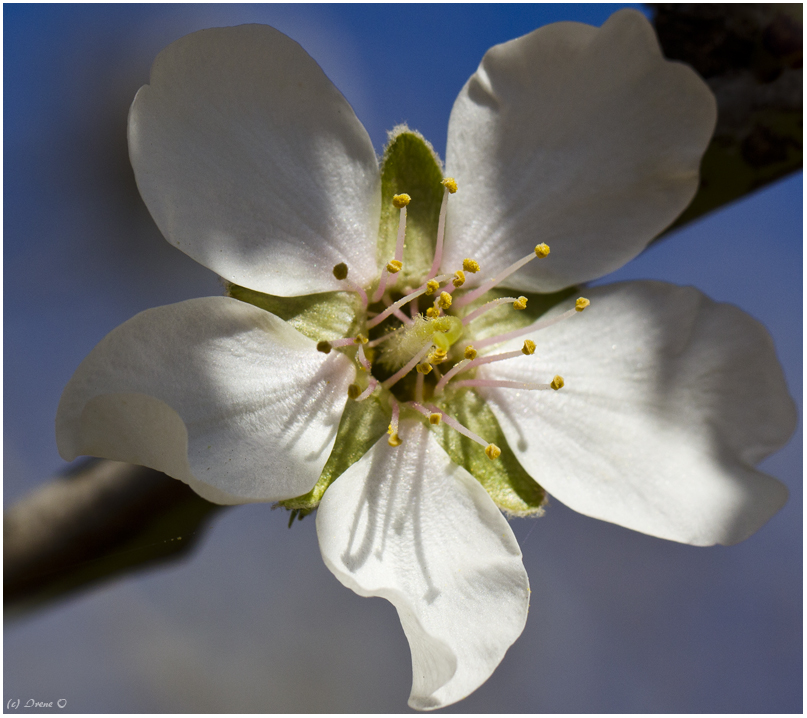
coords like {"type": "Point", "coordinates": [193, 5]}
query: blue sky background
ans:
{"type": "Point", "coordinates": [619, 622]}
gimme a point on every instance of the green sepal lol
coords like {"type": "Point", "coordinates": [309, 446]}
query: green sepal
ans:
{"type": "Point", "coordinates": [410, 166]}
{"type": "Point", "coordinates": [512, 489]}
{"type": "Point", "coordinates": [321, 317]}
{"type": "Point", "coordinates": [362, 425]}
{"type": "Point", "coordinates": [504, 318]}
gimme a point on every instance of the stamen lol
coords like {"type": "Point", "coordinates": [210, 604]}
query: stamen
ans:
{"type": "Point", "coordinates": [398, 314]}
{"type": "Point", "coordinates": [394, 439]}
{"type": "Point", "coordinates": [542, 250]}
{"type": "Point", "coordinates": [505, 384]}
{"type": "Point", "coordinates": [466, 364]}
{"type": "Point", "coordinates": [456, 369]}
{"type": "Point", "coordinates": [363, 359]}
{"type": "Point", "coordinates": [470, 265]}
{"type": "Point", "coordinates": [528, 329]}
{"type": "Point", "coordinates": [529, 347]}
{"type": "Point", "coordinates": [397, 305]}
{"type": "Point", "coordinates": [470, 352]}
{"type": "Point", "coordinates": [450, 187]}
{"type": "Point", "coordinates": [520, 303]}
{"type": "Point", "coordinates": [434, 419]}
{"type": "Point", "coordinates": [459, 278]}
{"type": "Point", "coordinates": [353, 391]}
{"type": "Point", "coordinates": [404, 370]}
{"type": "Point", "coordinates": [444, 302]}
{"type": "Point", "coordinates": [324, 347]}
{"type": "Point", "coordinates": [476, 313]}
{"type": "Point", "coordinates": [340, 271]}
{"type": "Point", "coordinates": [394, 265]}
{"type": "Point", "coordinates": [368, 391]}
{"type": "Point", "coordinates": [424, 368]}
{"type": "Point", "coordinates": [376, 342]}
{"type": "Point", "coordinates": [557, 383]}
{"type": "Point", "coordinates": [581, 304]}
{"type": "Point", "coordinates": [491, 450]}
{"type": "Point", "coordinates": [431, 287]}
{"type": "Point", "coordinates": [347, 341]}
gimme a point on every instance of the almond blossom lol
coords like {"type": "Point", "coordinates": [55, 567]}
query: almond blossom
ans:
{"type": "Point", "coordinates": [403, 347]}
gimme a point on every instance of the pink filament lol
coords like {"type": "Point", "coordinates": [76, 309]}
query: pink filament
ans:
{"type": "Point", "coordinates": [403, 371]}
{"type": "Point", "coordinates": [466, 320]}
{"type": "Point", "coordinates": [482, 288]}
{"type": "Point", "coordinates": [524, 330]}
{"type": "Point", "coordinates": [441, 227]}
{"type": "Point", "coordinates": [503, 384]}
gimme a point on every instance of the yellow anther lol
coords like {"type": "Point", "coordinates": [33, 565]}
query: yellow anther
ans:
{"type": "Point", "coordinates": [353, 391]}
{"type": "Point", "coordinates": [542, 250]}
{"type": "Point", "coordinates": [438, 356]}
{"type": "Point", "coordinates": [557, 383]}
{"type": "Point", "coordinates": [529, 347]}
{"type": "Point", "coordinates": [360, 339]}
{"type": "Point", "coordinates": [394, 266]}
{"type": "Point", "coordinates": [431, 312]}
{"type": "Point", "coordinates": [435, 419]}
{"type": "Point", "coordinates": [470, 352]}
{"type": "Point", "coordinates": [581, 304]}
{"type": "Point", "coordinates": [399, 201]}
{"type": "Point", "coordinates": [520, 303]}
{"type": "Point", "coordinates": [424, 368]}
{"type": "Point", "coordinates": [459, 278]}
{"type": "Point", "coordinates": [324, 347]}
{"type": "Point", "coordinates": [492, 451]}
{"type": "Point", "coordinates": [444, 302]}
{"type": "Point", "coordinates": [394, 440]}
{"type": "Point", "coordinates": [340, 271]}
{"type": "Point", "coordinates": [432, 286]}
{"type": "Point", "coordinates": [450, 184]}
{"type": "Point", "coordinates": [470, 265]}
{"type": "Point", "coordinates": [369, 354]}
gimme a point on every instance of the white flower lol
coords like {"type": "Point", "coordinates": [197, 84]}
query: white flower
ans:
{"type": "Point", "coordinates": [584, 139]}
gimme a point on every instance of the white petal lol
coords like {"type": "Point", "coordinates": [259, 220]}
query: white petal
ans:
{"type": "Point", "coordinates": [670, 400]}
{"type": "Point", "coordinates": [584, 138]}
{"type": "Point", "coordinates": [254, 164]}
{"type": "Point", "coordinates": [406, 524]}
{"type": "Point", "coordinates": [215, 392]}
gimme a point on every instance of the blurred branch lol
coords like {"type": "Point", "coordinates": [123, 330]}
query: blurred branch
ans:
{"type": "Point", "coordinates": [751, 57]}
{"type": "Point", "coordinates": [101, 521]}
{"type": "Point", "coordinates": [107, 519]}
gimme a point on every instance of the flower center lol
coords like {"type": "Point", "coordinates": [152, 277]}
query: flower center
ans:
{"type": "Point", "coordinates": [419, 340]}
